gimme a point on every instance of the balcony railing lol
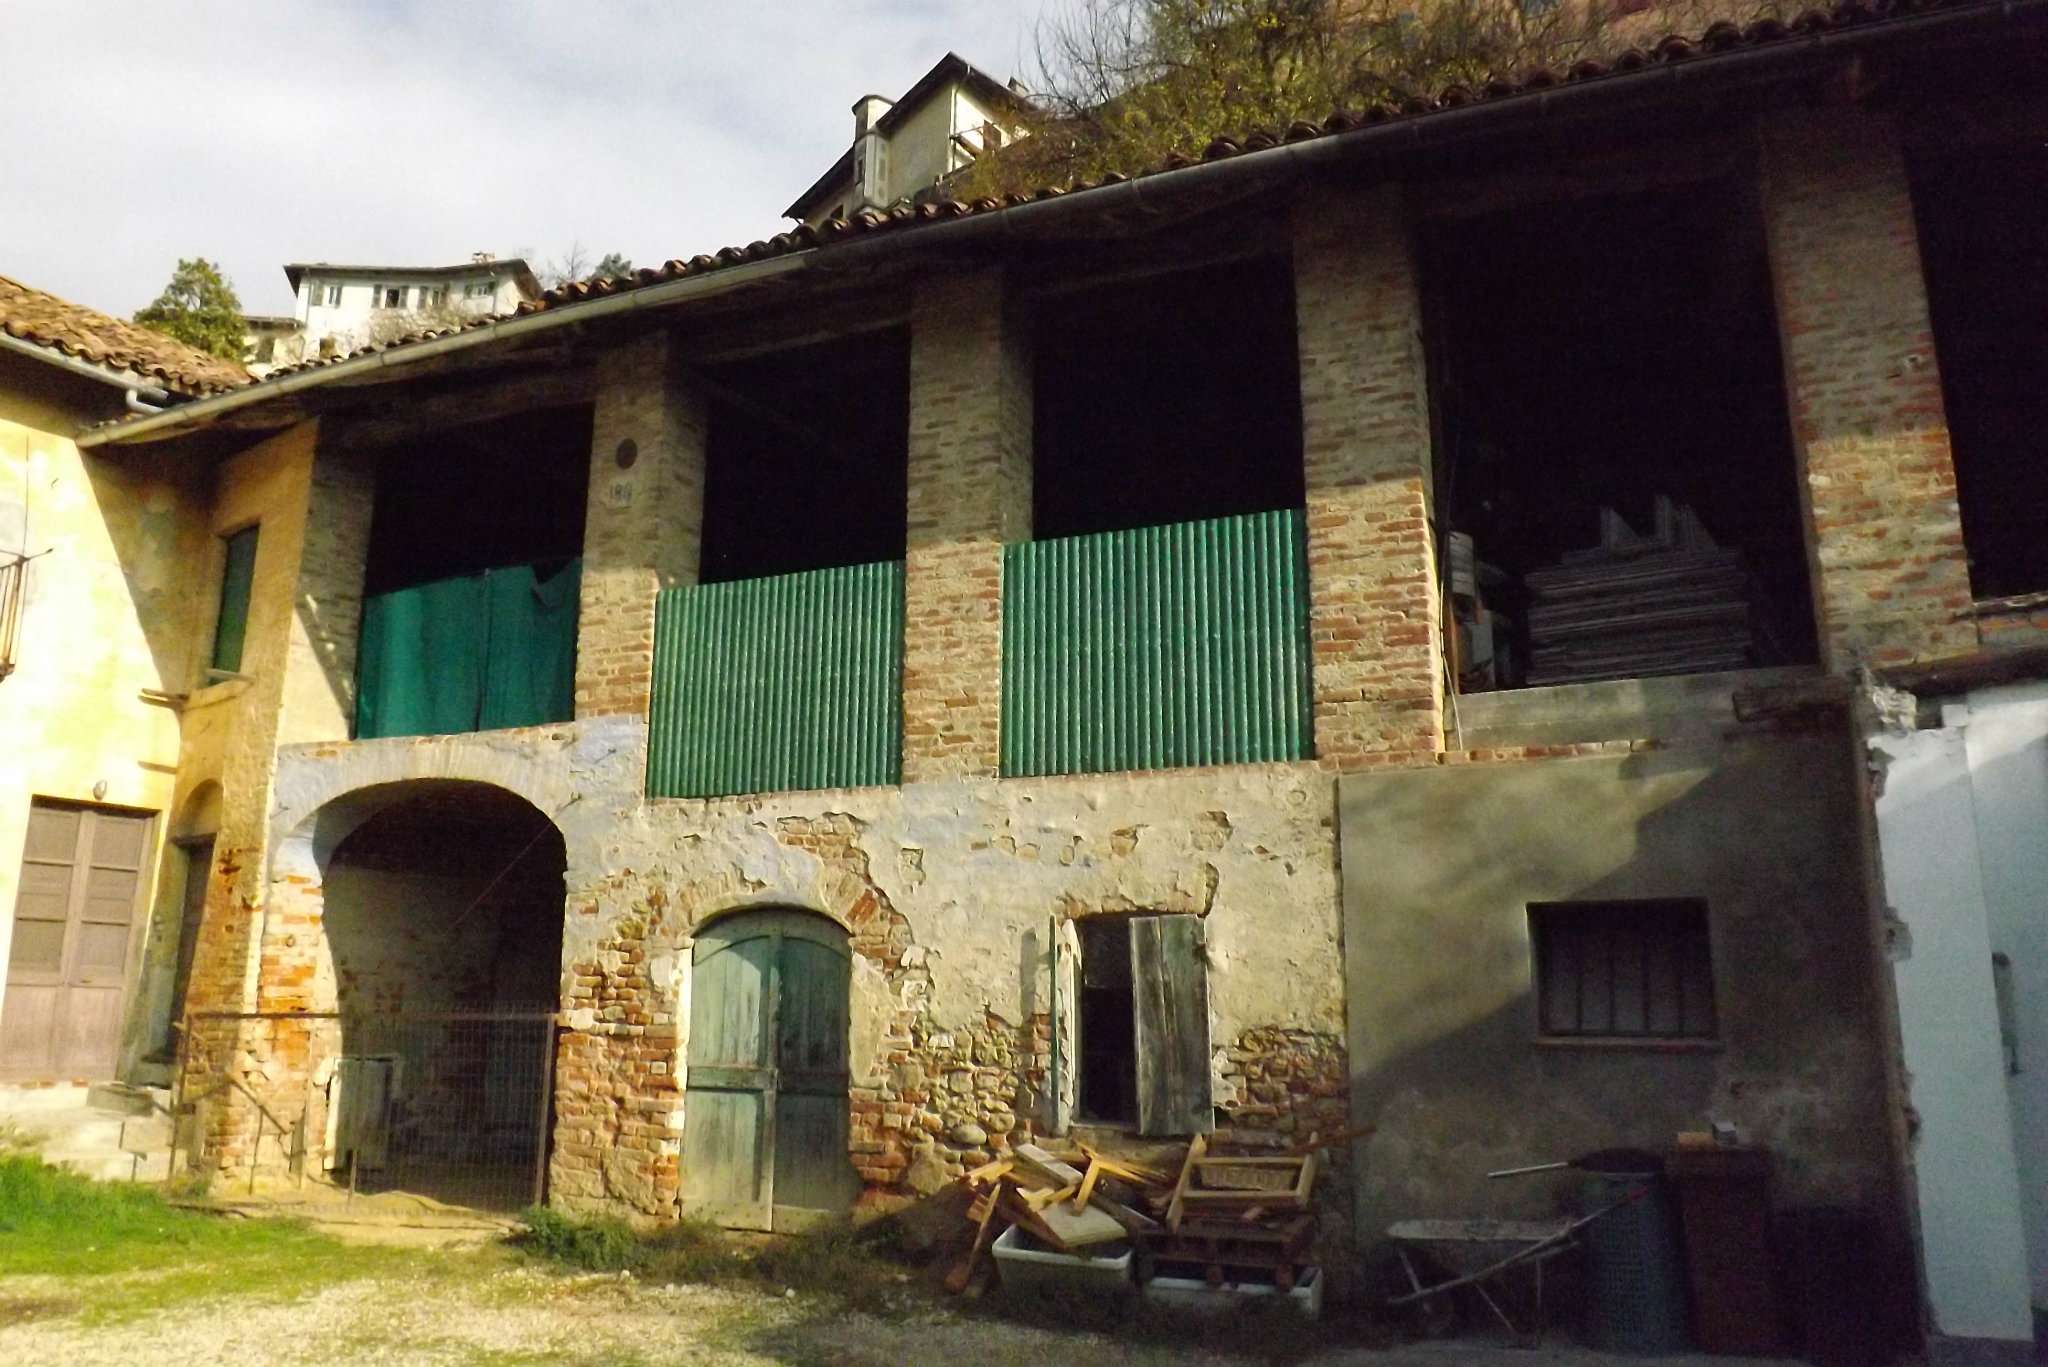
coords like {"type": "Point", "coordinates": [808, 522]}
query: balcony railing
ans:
{"type": "Point", "coordinates": [1158, 648]}
{"type": "Point", "coordinates": [778, 684]}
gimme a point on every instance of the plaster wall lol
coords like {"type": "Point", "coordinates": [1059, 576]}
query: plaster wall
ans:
{"type": "Point", "coordinates": [2006, 742]}
{"type": "Point", "coordinates": [921, 148]}
{"type": "Point", "coordinates": [107, 614]}
{"type": "Point", "coordinates": [231, 728]}
{"type": "Point", "coordinates": [1440, 865]}
{"type": "Point", "coordinates": [1973, 1245]}
{"type": "Point", "coordinates": [948, 889]}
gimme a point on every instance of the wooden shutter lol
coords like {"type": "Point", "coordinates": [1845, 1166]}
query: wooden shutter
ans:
{"type": "Point", "coordinates": [1065, 1083]}
{"type": "Point", "coordinates": [1170, 999]}
{"type": "Point", "coordinates": [238, 575]}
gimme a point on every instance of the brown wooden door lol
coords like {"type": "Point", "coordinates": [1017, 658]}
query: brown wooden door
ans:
{"type": "Point", "coordinates": [67, 968]}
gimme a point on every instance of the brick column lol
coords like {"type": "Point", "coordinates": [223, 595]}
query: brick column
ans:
{"type": "Point", "coordinates": [644, 521]}
{"type": "Point", "coordinates": [1884, 537]}
{"type": "Point", "coordinates": [1373, 601]}
{"type": "Point", "coordinates": [970, 492]}
{"type": "Point", "coordinates": [320, 670]}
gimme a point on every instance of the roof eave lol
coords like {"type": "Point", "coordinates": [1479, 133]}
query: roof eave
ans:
{"type": "Point", "coordinates": [151, 387]}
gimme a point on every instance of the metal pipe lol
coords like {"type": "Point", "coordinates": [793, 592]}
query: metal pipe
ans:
{"type": "Point", "coordinates": [129, 380]}
{"type": "Point", "coordinates": [1275, 165]}
{"type": "Point", "coordinates": [133, 399]}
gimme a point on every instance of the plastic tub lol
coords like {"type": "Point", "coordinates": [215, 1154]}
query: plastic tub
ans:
{"type": "Point", "coordinates": [1195, 1293]}
{"type": "Point", "coordinates": [1025, 1268]}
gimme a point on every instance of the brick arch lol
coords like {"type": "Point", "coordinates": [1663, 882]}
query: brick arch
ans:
{"type": "Point", "coordinates": [324, 793]}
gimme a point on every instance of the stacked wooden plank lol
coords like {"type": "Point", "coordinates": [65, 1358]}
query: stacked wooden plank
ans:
{"type": "Point", "coordinates": [1669, 603]}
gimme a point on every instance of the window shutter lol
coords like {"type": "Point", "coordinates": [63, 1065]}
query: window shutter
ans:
{"type": "Point", "coordinates": [238, 574]}
{"type": "Point", "coordinates": [1065, 1084]}
{"type": "Point", "coordinates": [1170, 998]}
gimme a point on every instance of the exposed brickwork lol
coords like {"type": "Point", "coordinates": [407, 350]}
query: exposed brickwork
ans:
{"type": "Point", "coordinates": [1867, 418]}
{"type": "Point", "coordinates": [1365, 451]}
{"type": "Point", "coordinates": [320, 693]}
{"type": "Point", "coordinates": [970, 492]}
{"type": "Point", "coordinates": [644, 524]}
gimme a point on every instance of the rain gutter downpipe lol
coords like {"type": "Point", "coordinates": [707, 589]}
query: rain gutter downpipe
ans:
{"type": "Point", "coordinates": [1267, 167]}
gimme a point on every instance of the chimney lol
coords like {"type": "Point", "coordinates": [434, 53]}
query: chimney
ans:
{"type": "Point", "coordinates": [482, 258]}
{"type": "Point", "coordinates": [866, 110]}
{"type": "Point", "coordinates": [870, 152]}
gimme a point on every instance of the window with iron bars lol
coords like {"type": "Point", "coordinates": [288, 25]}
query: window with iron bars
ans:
{"type": "Point", "coordinates": [1635, 970]}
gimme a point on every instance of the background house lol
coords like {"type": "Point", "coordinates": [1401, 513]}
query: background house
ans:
{"type": "Point", "coordinates": [340, 308]}
{"type": "Point", "coordinates": [904, 148]}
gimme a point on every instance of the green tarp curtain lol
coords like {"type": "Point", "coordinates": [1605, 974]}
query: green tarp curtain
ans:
{"type": "Point", "coordinates": [474, 653]}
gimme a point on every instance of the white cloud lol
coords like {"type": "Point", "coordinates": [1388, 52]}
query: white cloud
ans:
{"type": "Point", "coordinates": [133, 134]}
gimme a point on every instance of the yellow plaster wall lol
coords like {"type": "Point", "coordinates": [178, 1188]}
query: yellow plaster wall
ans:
{"type": "Point", "coordinates": [109, 614]}
{"type": "Point", "coordinates": [231, 730]}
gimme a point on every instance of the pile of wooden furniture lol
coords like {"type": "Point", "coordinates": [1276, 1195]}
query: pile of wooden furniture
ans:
{"type": "Point", "coordinates": [1234, 1217]}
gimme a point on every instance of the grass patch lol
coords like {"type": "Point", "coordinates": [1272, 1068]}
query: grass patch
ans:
{"type": "Point", "coordinates": [55, 1223]}
{"type": "Point", "coordinates": [858, 1269]}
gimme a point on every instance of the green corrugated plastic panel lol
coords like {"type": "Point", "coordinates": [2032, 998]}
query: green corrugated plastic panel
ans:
{"type": "Point", "coordinates": [1158, 648]}
{"type": "Point", "coordinates": [773, 685]}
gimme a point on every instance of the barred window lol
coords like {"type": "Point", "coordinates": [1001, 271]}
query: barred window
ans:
{"type": "Point", "coordinates": [1627, 970]}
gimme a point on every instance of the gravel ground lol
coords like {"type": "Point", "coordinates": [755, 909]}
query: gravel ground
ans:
{"type": "Point", "coordinates": [515, 1317]}
{"type": "Point", "coordinates": [525, 1317]}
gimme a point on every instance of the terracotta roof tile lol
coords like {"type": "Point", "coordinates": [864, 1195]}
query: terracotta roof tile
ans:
{"type": "Point", "coordinates": [1668, 51]}
{"type": "Point", "coordinates": [33, 315]}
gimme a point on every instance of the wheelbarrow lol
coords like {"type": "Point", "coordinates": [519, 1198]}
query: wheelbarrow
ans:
{"type": "Point", "coordinates": [1484, 1254]}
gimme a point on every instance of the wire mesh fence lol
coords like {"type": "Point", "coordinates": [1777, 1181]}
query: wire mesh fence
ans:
{"type": "Point", "coordinates": [452, 1105]}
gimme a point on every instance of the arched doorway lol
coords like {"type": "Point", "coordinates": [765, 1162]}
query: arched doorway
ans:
{"type": "Point", "coordinates": [765, 1103]}
{"type": "Point", "coordinates": [442, 920]}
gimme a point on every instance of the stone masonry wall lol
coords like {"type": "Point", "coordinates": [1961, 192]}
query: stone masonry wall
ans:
{"type": "Point", "coordinates": [1890, 572]}
{"type": "Point", "coordinates": [644, 520]}
{"type": "Point", "coordinates": [948, 890]}
{"type": "Point", "coordinates": [970, 493]}
{"type": "Point", "coordinates": [1373, 601]}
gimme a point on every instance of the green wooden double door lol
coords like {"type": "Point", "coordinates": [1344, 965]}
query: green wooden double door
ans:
{"type": "Point", "coordinates": [765, 1099]}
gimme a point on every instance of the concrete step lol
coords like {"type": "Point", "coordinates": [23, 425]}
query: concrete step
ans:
{"type": "Point", "coordinates": [108, 1145]}
{"type": "Point", "coordinates": [24, 1100]}
{"type": "Point", "coordinates": [127, 1099]}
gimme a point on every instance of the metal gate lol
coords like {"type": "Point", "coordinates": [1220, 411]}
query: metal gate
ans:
{"type": "Point", "coordinates": [454, 1105]}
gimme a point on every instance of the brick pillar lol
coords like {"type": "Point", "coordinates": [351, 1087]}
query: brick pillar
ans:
{"type": "Point", "coordinates": [644, 522]}
{"type": "Point", "coordinates": [970, 492]}
{"type": "Point", "coordinates": [1373, 601]}
{"type": "Point", "coordinates": [1884, 536]}
{"type": "Point", "coordinates": [320, 671]}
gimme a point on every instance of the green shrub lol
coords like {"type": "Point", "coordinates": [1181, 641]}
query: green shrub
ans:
{"type": "Point", "coordinates": [604, 1245]}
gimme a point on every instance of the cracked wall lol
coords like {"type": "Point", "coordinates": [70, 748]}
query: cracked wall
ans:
{"type": "Point", "coordinates": [948, 890]}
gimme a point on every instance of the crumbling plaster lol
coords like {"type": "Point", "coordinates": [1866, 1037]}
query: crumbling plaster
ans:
{"type": "Point", "coordinates": [977, 867]}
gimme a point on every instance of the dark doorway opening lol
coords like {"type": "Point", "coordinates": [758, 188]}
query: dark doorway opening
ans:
{"type": "Point", "coordinates": [805, 467]}
{"type": "Point", "coordinates": [1983, 217]}
{"type": "Point", "coordinates": [510, 491]}
{"type": "Point", "coordinates": [472, 585]}
{"type": "Point", "coordinates": [1617, 492]}
{"type": "Point", "coordinates": [1108, 1026]}
{"type": "Point", "coordinates": [1166, 399]}
{"type": "Point", "coordinates": [443, 917]}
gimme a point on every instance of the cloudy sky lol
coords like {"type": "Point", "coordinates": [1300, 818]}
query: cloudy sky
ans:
{"type": "Point", "coordinates": [423, 130]}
